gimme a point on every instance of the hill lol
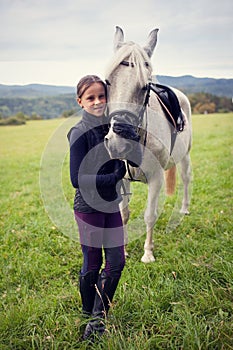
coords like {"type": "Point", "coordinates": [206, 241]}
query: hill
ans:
{"type": "Point", "coordinates": [34, 90]}
{"type": "Point", "coordinates": [190, 84]}
{"type": "Point", "coordinates": [187, 83]}
{"type": "Point", "coordinates": [46, 107]}
{"type": "Point", "coordinates": [49, 101]}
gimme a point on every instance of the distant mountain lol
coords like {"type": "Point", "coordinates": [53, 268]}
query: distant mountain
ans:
{"type": "Point", "coordinates": [186, 83]}
{"type": "Point", "coordinates": [34, 90]}
{"type": "Point", "coordinates": [49, 101]}
{"type": "Point", "coordinates": [190, 84]}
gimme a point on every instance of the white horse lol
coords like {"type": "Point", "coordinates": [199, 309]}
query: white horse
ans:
{"type": "Point", "coordinates": [128, 78]}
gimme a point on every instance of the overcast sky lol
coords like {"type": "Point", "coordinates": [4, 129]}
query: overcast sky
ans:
{"type": "Point", "coordinates": [58, 41]}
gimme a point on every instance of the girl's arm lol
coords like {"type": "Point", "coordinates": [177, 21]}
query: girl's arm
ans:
{"type": "Point", "coordinates": [78, 151]}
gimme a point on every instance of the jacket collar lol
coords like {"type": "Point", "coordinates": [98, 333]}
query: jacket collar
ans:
{"type": "Point", "coordinates": [94, 121]}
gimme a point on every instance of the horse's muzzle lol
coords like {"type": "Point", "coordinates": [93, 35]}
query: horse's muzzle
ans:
{"type": "Point", "coordinates": [117, 146]}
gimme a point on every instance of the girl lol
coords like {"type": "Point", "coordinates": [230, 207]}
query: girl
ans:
{"type": "Point", "coordinates": [96, 179]}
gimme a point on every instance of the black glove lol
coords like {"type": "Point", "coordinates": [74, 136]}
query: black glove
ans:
{"type": "Point", "coordinates": [120, 171]}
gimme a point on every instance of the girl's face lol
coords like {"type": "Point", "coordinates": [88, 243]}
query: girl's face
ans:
{"type": "Point", "coordinates": [93, 99]}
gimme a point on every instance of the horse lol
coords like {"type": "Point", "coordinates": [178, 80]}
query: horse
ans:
{"type": "Point", "coordinates": [132, 105]}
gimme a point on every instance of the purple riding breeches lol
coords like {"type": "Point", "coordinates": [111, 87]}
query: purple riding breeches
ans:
{"type": "Point", "coordinates": [101, 230]}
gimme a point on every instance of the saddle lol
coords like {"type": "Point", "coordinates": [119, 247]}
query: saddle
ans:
{"type": "Point", "coordinates": [170, 105]}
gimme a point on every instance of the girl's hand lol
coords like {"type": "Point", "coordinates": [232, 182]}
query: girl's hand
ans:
{"type": "Point", "coordinates": [120, 172]}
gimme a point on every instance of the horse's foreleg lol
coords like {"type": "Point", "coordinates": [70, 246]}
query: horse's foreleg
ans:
{"type": "Point", "coordinates": [186, 178]}
{"type": "Point", "coordinates": [151, 215]}
{"type": "Point", "coordinates": [124, 208]}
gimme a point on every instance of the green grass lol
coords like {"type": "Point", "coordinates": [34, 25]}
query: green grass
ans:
{"type": "Point", "coordinates": [39, 299]}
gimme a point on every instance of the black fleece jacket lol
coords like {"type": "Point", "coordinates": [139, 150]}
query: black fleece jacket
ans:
{"type": "Point", "coordinates": [93, 174]}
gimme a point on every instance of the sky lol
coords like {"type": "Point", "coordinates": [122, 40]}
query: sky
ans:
{"type": "Point", "coordinates": [56, 42]}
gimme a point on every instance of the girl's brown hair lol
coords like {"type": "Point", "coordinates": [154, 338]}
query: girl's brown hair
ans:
{"type": "Point", "coordinates": [85, 82]}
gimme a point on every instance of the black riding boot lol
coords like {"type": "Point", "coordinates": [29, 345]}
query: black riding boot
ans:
{"type": "Point", "coordinates": [106, 287]}
{"type": "Point", "coordinates": [87, 286]}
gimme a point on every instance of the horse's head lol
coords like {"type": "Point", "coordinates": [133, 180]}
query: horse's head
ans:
{"type": "Point", "coordinates": [127, 77]}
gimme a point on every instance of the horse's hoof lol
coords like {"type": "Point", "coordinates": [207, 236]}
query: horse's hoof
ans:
{"type": "Point", "coordinates": [184, 211]}
{"type": "Point", "coordinates": [148, 258]}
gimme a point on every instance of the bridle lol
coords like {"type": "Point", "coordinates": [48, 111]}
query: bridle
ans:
{"type": "Point", "coordinates": [133, 116]}
{"type": "Point", "coordinates": [142, 115]}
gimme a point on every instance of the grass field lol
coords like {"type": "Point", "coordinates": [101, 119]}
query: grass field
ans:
{"type": "Point", "coordinates": [39, 299]}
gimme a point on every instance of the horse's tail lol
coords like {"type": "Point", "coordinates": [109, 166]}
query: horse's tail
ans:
{"type": "Point", "coordinates": [170, 180]}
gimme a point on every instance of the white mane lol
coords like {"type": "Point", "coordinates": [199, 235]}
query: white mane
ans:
{"type": "Point", "coordinates": [134, 54]}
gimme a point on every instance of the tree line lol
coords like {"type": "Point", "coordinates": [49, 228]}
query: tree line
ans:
{"type": "Point", "coordinates": [202, 103]}
{"type": "Point", "coordinates": [18, 110]}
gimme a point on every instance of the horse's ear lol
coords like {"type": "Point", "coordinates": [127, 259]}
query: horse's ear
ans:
{"type": "Point", "coordinates": [118, 38]}
{"type": "Point", "coordinates": [151, 42]}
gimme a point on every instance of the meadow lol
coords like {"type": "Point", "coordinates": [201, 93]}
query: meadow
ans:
{"type": "Point", "coordinates": [184, 300]}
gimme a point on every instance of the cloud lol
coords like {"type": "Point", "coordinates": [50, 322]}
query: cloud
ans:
{"type": "Point", "coordinates": [194, 37]}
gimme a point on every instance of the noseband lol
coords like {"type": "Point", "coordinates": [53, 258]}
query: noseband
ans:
{"type": "Point", "coordinates": [123, 127]}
